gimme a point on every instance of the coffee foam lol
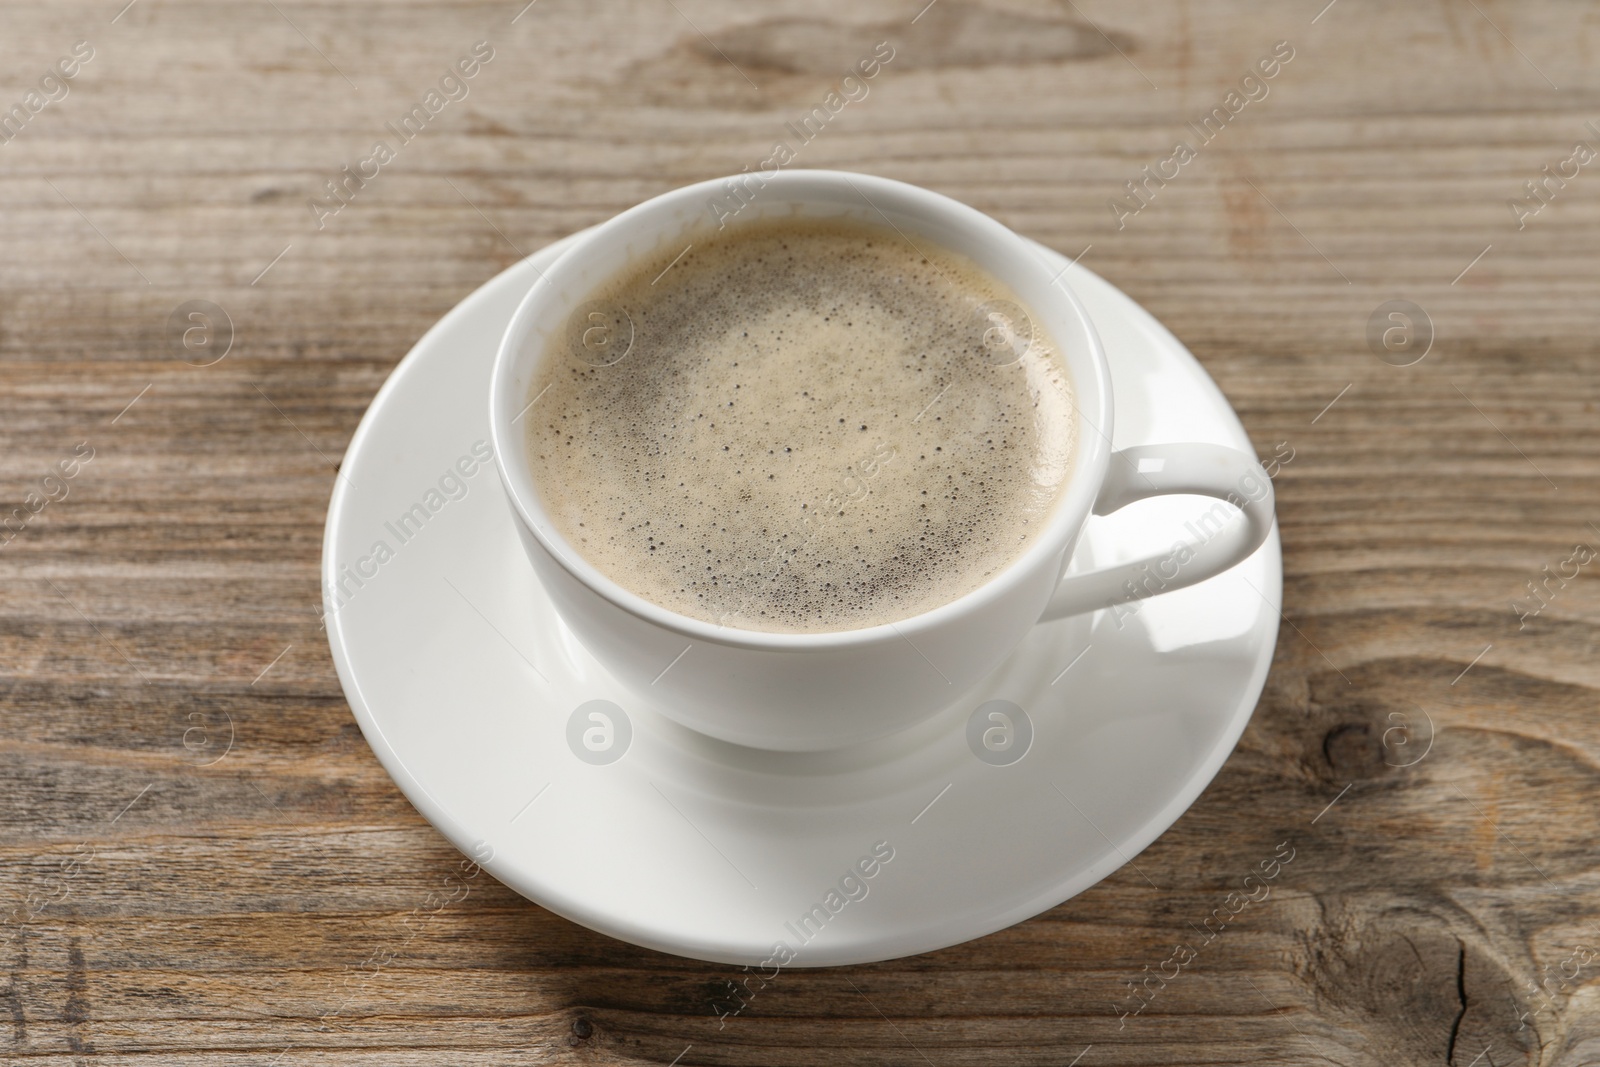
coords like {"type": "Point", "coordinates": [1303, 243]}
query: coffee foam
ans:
{"type": "Point", "coordinates": [811, 428]}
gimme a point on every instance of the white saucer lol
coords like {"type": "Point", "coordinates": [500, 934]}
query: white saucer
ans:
{"type": "Point", "coordinates": [468, 688]}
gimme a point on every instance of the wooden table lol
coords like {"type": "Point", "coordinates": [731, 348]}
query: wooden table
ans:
{"type": "Point", "coordinates": [203, 863]}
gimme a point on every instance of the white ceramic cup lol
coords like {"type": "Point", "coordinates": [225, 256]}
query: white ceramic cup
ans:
{"type": "Point", "coordinates": [812, 691]}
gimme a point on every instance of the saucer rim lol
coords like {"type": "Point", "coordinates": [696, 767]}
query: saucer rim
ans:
{"type": "Point", "coordinates": [731, 952]}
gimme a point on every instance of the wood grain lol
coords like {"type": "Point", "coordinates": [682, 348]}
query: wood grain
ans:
{"type": "Point", "coordinates": [199, 861]}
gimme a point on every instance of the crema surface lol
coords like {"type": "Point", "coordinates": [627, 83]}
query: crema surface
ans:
{"type": "Point", "coordinates": [801, 427]}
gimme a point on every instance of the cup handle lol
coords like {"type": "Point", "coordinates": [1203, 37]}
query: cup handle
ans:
{"type": "Point", "coordinates": [1205, 549]}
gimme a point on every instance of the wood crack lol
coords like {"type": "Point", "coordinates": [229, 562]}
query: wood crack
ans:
{"type": "Point", "coordinates": [1461, 995]}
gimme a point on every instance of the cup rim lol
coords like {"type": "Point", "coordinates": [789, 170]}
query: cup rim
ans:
{"type": "Point", "coordinates": [1080, 345]}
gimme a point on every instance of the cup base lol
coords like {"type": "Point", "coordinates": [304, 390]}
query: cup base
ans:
{"type": "Point", "coordinates": [576, 792]}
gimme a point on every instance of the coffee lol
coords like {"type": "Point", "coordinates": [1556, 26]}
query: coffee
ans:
{"type": "Point", "coordinates": [801, 426]}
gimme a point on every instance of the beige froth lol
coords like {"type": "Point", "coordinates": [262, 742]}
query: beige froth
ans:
{"type": "Point", "coordinates": [808, 432]}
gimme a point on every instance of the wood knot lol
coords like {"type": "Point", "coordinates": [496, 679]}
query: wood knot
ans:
{"type": "Point", "coordinates": [777, 63]}
{"type": "Point", "coordinates": [949, 34]}
{"type": "Point", "coordinates": [1352, 750]}
{"type": "Point", "coordinates": [1373, 741]}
